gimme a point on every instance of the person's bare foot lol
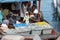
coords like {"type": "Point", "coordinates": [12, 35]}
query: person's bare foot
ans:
{"type": "Point", "coordinates": [1, 31]}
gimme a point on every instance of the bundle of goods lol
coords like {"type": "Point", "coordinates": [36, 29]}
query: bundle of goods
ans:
{"type": "Point", "coordinates": [20, 25]}
{"type": "Point", "coordinates": [46, 28]}
{"type": "Point", "coordinates": [12, 37]}
{"type": "Point", "coordinates": [40, 27]}
{"type": "Point", "coordinates": [23, 31]}
{"type": "Point", "coordinates": [22, 28]}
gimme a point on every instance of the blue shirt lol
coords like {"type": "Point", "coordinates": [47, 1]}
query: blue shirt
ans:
{"type": "Point", "coordinates": [1, 16]}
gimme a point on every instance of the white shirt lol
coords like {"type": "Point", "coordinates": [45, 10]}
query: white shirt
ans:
{"type": "Point", "coordinates": [21, 14]}
{"type": "Point", "coordinates": [26, 18]}
{"type": "Point", "coordinates": [35, 11]}
{"type": "Point", "coordinates": [25, 9]}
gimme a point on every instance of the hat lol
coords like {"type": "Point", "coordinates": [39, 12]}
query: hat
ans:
{"type": "Point", "coordinates": [26, 12]}
{"type": "Point", "coordinates": [35, 11]}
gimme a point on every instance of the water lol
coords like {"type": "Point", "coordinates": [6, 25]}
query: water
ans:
{"type": "Point", "coordinates": [49, 14]}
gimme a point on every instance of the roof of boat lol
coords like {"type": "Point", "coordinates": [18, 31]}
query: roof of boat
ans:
{"type": "Point", "coordinates": [5, 1]}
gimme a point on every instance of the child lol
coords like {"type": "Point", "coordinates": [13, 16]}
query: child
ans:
{"type": "Point", "coordinates": [26, 18]}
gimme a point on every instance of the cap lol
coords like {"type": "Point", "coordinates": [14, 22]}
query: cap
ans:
{"type": "Point", "coordinates": [35, 11]}
{"type": "Point", "coordinates": [26, 12]}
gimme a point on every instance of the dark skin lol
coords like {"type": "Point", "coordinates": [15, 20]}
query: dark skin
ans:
{"type": "Point", "coordinates": [1, 31]}
{"type": "Point", "coordinates": [10, 26]}
{"type": "Point", "coordinates": [37, 20]}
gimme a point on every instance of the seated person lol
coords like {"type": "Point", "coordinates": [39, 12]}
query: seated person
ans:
{"type": "Point", "coordinates": [21, 20]}
{"type": "Point", "coordinates": [10, 26]}
{"type": "Point", "coordinates": [34, 17]}
{"type": "Point", "coordinates": [5, 21]}
{"type": "Point", "coordinates": [4, 27]}
{"type": "Point", "coordinates": [26, 18]}
{"type": "Point", "coordinates": [12, 19]}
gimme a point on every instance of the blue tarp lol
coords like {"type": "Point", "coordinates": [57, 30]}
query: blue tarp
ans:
{"type": "Point", "coordinates": [29, 0]}
{"type": "Point", "coordinates": [4, 1]}
{"type": "Point", "coordinates": [20, 25]}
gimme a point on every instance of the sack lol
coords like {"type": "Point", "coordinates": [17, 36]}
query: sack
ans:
{"type": "Point", "coordinates": [12, 37]}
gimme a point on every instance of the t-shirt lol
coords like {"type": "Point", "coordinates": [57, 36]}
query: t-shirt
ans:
{"type": "Point", "coordinates": [22, 14]}
{"type": "Point", "coordinates": [0, 16]}
{"type": "Point", "coordinates": [35, 11]}
{"type": "Point", "coordinates": [26, 18]}
{"type": "Point", "coordinates": [5, 22]}
{"type": "Point", "coordinates": [5, 12]}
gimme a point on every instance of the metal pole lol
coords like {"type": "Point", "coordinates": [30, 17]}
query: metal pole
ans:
{"type": "Point", "coordinates": [39, 5]}
{"type": "Point", "coordinates": [20, 5]}
{"type": "Point", "coordinates": [39, 9]}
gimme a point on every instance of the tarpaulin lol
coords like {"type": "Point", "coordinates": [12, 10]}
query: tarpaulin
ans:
{"type": "Point", "coordinates": [5, 1]}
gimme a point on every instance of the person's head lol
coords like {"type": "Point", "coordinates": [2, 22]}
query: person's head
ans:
{"type": "Point", "coordinates": [35, 11]}
{"type": "Point", "coordinates": [34, 7]}
{"type": "Point", "coordinates": [29, 3]}
{"type": "Point", "coordinates": [27, 13]}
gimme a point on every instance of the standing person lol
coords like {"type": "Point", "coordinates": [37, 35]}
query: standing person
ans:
{"type": "Point", "coordinates": [24, 7]}
{"type": "Point", "coordinates": [22, 13]}
{"type": "Point", "coordinates": [13, 6]}
{"type": "Point", "coordinates": [28, 6]}
{"type": "Point", "coordinates": [0, 15]}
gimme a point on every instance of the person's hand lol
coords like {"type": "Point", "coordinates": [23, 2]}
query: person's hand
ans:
{"type": "Point", "coordinates": [36, 20]}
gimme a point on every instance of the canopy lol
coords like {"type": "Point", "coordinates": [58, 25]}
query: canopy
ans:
{"type": "Point", "coordinates": [5, 1]}
{"type": "Point", "coordinates": [29, 0]}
